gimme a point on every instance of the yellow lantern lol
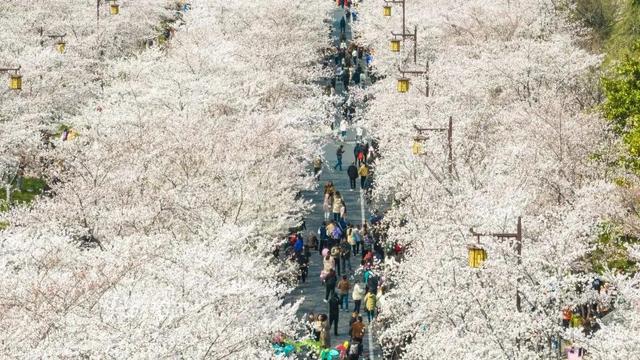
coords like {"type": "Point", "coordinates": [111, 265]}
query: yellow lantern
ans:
{"type": "Point", "coordinates": [115, 9]}
{"type": "Point", "coordinates": [386, 10]}
{"type": "Point", "coordinates": [416, 148]}
{"type": "Point", "coordinates": [15, 82]}
{"type": "Point", "coordinates": [395, 45]}
{"type": "Point", "coordinates": [403, 85]}
{"type": "Point", "coordinates": [477, 256]}
{"type": "Point", "coordinates": [60, 45]}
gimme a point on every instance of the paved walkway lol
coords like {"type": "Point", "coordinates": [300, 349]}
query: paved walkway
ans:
{"type": "Point", "coordinates": [313, 290]}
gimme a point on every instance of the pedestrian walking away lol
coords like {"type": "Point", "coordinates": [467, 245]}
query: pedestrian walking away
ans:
{"type": "Point", "coordinates": [317, 167]}
{"type": "Point", "coordinates": [343, 129]}
{"type": "Point", "coordinates": [334, 313]}
{"type": "Point", "coordinates": [359, 132]}
{"type": "Point", "coordinates": [357, 334]}
{"type": "Point", "coordinates": [343, 291]}
{"type": "Point", "coordinates": [358, 295]}
{"type": "Point", "coordinates": [363, 172]}
{"type": "Point", "coordinates": [330, 285]}
{"type": "Point", "coordinates": [352, 172]}
{"type": "Point", "coordinates": [370, 305]}
{"type": "Point", "coordinates": [339, 153]}
{"type": "Point", "coordinates": [337, 205]}
{"type": "Point", "coordinates": [325, 335]}
{"type": "Point", "coordinates": [345, 255]}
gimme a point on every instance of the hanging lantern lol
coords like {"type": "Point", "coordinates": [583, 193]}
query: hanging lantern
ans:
{"type": "Point", "coordinates": [416, 148]}
{"type": "Point", "coordinates": [386, 10]}
{"type": "Point", "coordinates": [15, 82]}
{"type": "Point", "coordinates": [403, 85]}
{"type": "Point", "coordinates": [395, 45]}
{"type": "Point", "coordinates": [477, 256]}
{"type": "Point", "coordinates": [60, 45]}
{"type": "Point", "coordinates": [115, 9]}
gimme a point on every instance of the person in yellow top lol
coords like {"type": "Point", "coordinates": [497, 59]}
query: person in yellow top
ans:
{"type": "Point", "coordinates": [370, 305]}
{"type": "Point", "coordinates": [363, 171]}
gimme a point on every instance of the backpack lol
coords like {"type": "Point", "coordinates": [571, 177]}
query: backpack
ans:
{"type": "Point", "coordinates": [337, 233]}
{"type": "Point", "coordinates": [346, 250]}
{"type": "Point", "coordinates": [353, 350]}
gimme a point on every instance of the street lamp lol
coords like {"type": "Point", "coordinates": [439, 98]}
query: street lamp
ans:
{"type": "Point", "coordinates": [405, 35]}
{"type": "Point", "coordinates": [416, 147]}
{"type": "Point", "coordinates": [395, 45]}
{"type": "Point", "coordinates": [449, 131]}
{"type": "Point", "coordinates": [477, 255]}
{"type": "Point", "coordinates": [386, 10]}
{"type": "Point", "coordinates": [404, 84]}
{"type": "Point", "coordinates": [15, 79]}
{"type": "Point", "coordinates": [114, 8]}
{"type": "Point", "coordinates": [517, 235]}
{"type": "Point", "coordinates": [60, 44]}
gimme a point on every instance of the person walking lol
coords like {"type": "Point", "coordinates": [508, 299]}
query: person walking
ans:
{"type": "Point", "coordinates": [343, 25]}
{"type": "Point", "coordinates": [363, 172]}
{"type": "Point", "coordinates": [335, 254]}
{"type": "Point", "coordinates": [357, 334]}
{"type": "Point", "coordinates": [322, 234]}
{"type": "Point", "coordinates": [359, 131]}
{"type": "Point", "coordinates": [352, 171]}
{"type": "Point", "coordinates": [317, 327]}
{"type": "Point", "coordinates": [327, 205]}
{"type": "Point", "coordinates": [317, 167]}
{"type": "Point", "coordinates": [357, 295]}
{"type": "Point", "coordinates": [337, 203]}
{"type": "Point", "coordinates": [343, 292]}
{"type": "Point", "coordinates": [357, 238]}
{"type": "Point", "coordinates": [370, 305]}
{"type": "Point", "coordinates": [330, 285]}
{"type": "Point", "coordinates": [350, 239]}
{"type": "Point", "coordinates": [334, 313]}
{"type": "Point", "coordinates": [325, 335]}
{"type": "Point", "coordinates": [343, 129]}
{"type": "Point", "coordinates": [345, 255]}
{"type": "Point", "coordinates": [339, 153]}
{"type": "Point", "coordinates": [303, 263]}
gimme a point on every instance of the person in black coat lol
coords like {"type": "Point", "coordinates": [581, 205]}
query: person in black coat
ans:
{"type": "Point", "coordinates": [330, 285]}
{"type": "Point", "coordinates": [334, 313]}
{"type": "Point", "coordinates": [352, 171]}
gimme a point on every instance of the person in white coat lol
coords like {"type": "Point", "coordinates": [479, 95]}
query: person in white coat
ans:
{"type": "Point", "coordinates": [358, 294]}
{"type": "Point", "coordinates": [343, 129]}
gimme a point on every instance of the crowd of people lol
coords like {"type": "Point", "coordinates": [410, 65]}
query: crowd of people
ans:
{"type": "Point", "coordinates": [347, 288]}
{"type": "Point", "coordinates": [348, 251]}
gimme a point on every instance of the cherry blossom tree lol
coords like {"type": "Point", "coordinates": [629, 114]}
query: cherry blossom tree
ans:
{"type": "Point", "coordinates": [157, 239]}
{"type": "Point", "coordinates": [525, 144]}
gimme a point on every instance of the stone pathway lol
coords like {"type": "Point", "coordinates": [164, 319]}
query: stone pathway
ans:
{"type": "Point", "coordinates": [313, 290]}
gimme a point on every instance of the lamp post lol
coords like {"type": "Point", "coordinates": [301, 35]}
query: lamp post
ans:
{"type": "Point", "coordinates": [15, 79]}
{"type": "Point", "coordinates": [395, 47]}
{"type": "Point", "coordinates": [114, 9]}
{"type": "Point", "coordinates": [403, 81]}
{"type": "Point", "coordinates": [518, 236]}
{"type": "Point", "coordinates": [60, 44]}
{"type": "Point", "coordinates": [449, 131]}
{"type": "Point", "coordinates": [387, 11]}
